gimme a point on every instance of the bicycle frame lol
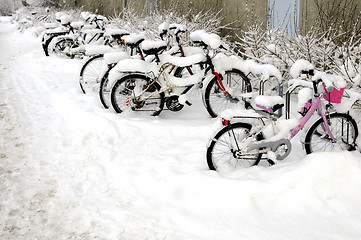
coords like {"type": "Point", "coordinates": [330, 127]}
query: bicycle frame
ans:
{"type": "Point", "coordinates": [316, 106]}
{"type": "Point", "coordinates": [265, 147]}
{"type": "Point", "coordinates": [169, 87]}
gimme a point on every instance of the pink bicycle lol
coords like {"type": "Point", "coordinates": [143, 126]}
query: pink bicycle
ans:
{"type": "Point", "coordinates": [242, 141]}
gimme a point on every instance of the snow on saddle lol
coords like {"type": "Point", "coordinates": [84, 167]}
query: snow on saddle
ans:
{"type": "Point", "coordinates": [150, 47]}
{"type": "Point", "coordinates": [269, 104]}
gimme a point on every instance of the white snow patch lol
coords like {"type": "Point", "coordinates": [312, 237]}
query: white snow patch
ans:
{"type": "Point", "coordinates": [299, 66]}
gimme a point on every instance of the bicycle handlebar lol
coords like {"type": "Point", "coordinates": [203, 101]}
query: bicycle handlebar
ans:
{"type": "Point", "coordinates": [315, 85]}
{"type": "Point", "coordinates": [310, 72]}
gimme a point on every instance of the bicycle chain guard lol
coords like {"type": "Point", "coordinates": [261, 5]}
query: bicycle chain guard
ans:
{"type": "Point", "coordinates": [282, 148]}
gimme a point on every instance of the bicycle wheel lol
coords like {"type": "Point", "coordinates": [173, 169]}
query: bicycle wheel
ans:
{"type": "Point", "coordinates": [62, 47]}
{"type": "Point", "coordinates": [45, 44]}
{"type": "Point", "coordinates": [105, 90]}
{"type": "Point", "coordinates": [126, 90]}
{"type": "Point", "coordinates": [224, 152]}
{"type": "Point", "coordinates": [216, 100]}
{"type": "Point", "coordinates": [343, 127]}
{"type": "Point", "coordinates": [91, 73]}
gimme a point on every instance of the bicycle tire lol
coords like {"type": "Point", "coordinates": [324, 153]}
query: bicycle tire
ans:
{"type": "Point", "coordinates": [342, 126]}
{"type": "Point", "coordinates": [223, 148]}
{"type": "Point", "coordinates": [105, 90]}
{"type": "Point", "coordinates": [216, 101]}
{"type": "Point", "coordinates": [46, 45]}
{"type": "Point", "coordinates": [124, 93]}
{"type": "Point", "coordinates": [90, 73]}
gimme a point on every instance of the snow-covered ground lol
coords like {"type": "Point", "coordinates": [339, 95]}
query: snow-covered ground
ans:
{"type": "Point", "coordinates": [70, 169]}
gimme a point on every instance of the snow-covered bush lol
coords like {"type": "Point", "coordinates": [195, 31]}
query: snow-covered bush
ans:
{"type": "Point", "coordinates": [320, 48]}
{"type": "Point", "coordinates": [130, 19]}
{"type": "Point", "coordinates": [7, 7]}
{"type": "Point", "coordinates": [37, 17]}
{"type": "Point", "coordinates": [333, 44]}
{"type": "Point", "coordinates": [148, 24]}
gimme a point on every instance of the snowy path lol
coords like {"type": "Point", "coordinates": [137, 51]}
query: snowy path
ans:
{"type": "Point", "coordinates": [71, 169]}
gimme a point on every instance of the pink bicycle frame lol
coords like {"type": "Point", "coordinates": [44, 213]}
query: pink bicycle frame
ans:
{"type": "Point", "coordinates": [316, 106]}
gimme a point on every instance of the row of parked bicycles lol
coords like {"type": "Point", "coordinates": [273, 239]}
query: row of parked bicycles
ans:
{"type": "Point", "coordinates": [139, 76]}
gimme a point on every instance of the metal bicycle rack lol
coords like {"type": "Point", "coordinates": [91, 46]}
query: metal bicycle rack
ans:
{"type": "Point", "coordinates": [280, 91]}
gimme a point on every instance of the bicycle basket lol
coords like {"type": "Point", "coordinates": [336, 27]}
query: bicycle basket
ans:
{"type": "Point", "coordinates": [334, 96]}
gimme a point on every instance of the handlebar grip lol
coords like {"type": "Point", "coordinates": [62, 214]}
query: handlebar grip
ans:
{"type": "Point", "coordinates": [223, 47]}
{"type": "Point", "coordinates": [310, 72]}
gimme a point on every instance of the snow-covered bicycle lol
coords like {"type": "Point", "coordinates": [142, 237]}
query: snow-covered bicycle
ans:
{"type": "Point", "coordinates": [169, 33]}
{"type": "Point", "coordinates": [76, 37]}
{"type": "Point", "coordinates": [50, 36]}
{"type": "Point", "coordinates": [244, 138]}
{"type": "Point", "coordinates": [145, 87]}
{"type": "Point", "coordinates": [95, 66]}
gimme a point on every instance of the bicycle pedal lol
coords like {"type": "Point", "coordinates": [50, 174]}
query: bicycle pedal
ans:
{"type": "Point", "coordinates": [184, 100]}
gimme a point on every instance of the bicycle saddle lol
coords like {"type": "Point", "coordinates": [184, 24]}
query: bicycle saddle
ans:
{"type": "Point", "coordinates": [177, 28]}
{"type": "Point", "coordinates": [117, 33]}
{"type": "Point", "coordinates": [153, 47]}
{"type": "Point", "coordinates": [269, 104]}
{"type": "Point", "coordinates": [133, 40]}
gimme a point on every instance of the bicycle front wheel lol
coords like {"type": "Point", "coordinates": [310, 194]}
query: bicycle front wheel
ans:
{"type": "Point", "coordinates": [135, 93]}
{"type": "Point", "coordinates": [227, 150]}
{"type": "Point", "coordinates": [105, 90]}
{"type": "Point", "coordinates": [91, 74]}
{"type": "Point", "coordinates": [216, 100]}
{"type": "Point", "coordinates": [343, 127]}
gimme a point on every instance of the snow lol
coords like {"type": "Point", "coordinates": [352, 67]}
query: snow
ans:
{"type": "Point", "coordinates": [147, 45]}
{"type": "Point", "coordinates": [192, 50]}
{"type": "Point", "coordinates": [98, 49]}
{"type": "Point", "coordinates": [330, 80]}
{"type": "Point", "coordinates": [85, 15]}
{"type": "Point", "coordinates": [77, 25]}
{"type": "Point", "coordinates": [211, 39]}
{"type": "Point", "coordinates": [65, 19]}
{"type": "Point", "coordinates": [183, 61]}
{"type": "Point", "coordinates": [116, 31]}
{"type": "Point", "coordinates": [50, 25]}
{"type": "Point", "coordinates": [177, 28]}
{"type": "Point", "coordinates": [163, 27]}
{"type": "Point", "coordinates": [223, 62]}
{"type": "Point", "coordinates": [269, 101]}
{"type": "Point", "coordinates": [58, 15]}
{"type": "Point", "coordinates": [114, 57]}
{"type": "Point", "coordinates": [92, 30]}
{"type": "Point", "coordinates": [133, 38]}
{"type": "Point", "coordinates": [357, 80]}
{"type": "Point", "coordinates": [299, 66]}
{"type": "Point", "coordinates": [70, 169]}
{"type": "Point", "coordinates": [304, 95]}
{"type": "Point", "coordinates": [131, 65]}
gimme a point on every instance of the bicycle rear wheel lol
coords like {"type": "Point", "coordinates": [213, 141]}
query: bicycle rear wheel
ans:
{"type": "Point", "coordinates": [343, 127]}
{"type": "Point", "coordinates": [62, 47]}
{"type": "Point", "coordinates": [224, 153]}
{"type": "Point", "coordinates": [216, 100]}
{"type": "Point", "coordinates": [125, 93]}
{"type": "Point", "coordinates": [91, 74]}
